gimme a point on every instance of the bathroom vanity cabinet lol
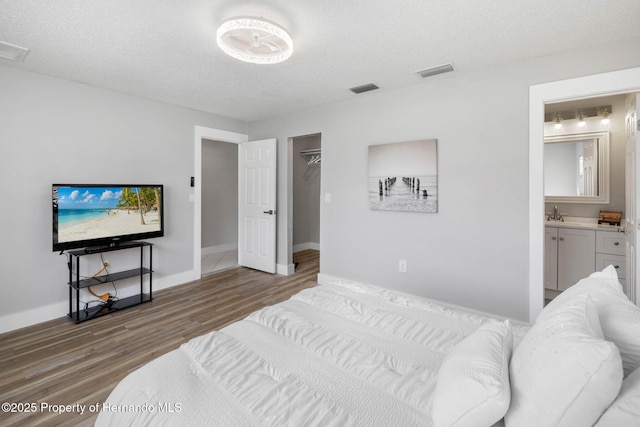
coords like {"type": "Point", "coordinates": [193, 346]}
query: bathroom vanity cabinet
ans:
{"type": "Point", "coordinates": [572, 253]}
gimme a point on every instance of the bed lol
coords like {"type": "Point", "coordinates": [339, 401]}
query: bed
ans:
{"type": "Point", "coordinates": [346, 354]}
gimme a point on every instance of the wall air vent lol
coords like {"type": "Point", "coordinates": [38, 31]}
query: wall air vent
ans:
{"type": "Point", "coordinates": [364, 88]}
{"type": "Point", "coordinates": [435, 70]}
{"type": "Point", "coordinates": [13, 52]}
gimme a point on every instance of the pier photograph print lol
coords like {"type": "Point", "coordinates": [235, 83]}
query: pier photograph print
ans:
{"type": "Point", "coordinates": [403, 176]}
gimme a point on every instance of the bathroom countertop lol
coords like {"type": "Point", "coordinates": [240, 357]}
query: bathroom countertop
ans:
{"type": "Point", "coordinates": [583, 223]}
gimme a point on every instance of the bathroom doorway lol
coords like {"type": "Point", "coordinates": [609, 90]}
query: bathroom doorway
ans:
{"type": "Point", "coordinates": [219, 206]}
{"type": "Point", "coordinates": [584, 171]}
{"type": "Point", "coordinates": [617, 82]}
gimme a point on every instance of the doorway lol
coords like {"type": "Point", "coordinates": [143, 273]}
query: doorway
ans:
{"type": "Point", "coordinates": [306, 177]}
{"type": "Point", "coordinates": [584, 169]}
{"type": "Point", "coordinates": [617, 82]}
{"type": "Point", "coordinates": [201, 135]}
{"type": "Point", "coordinates": [219, 206]}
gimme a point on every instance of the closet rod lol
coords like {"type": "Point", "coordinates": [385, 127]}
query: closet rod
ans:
{"type": "Point", "coordinates": [313, 156]}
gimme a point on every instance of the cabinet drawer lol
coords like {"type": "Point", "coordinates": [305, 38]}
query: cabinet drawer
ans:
{"type": "Point", "coordinates": [610, 242]}
{"type": "Point", "coordinates": [603, 260]}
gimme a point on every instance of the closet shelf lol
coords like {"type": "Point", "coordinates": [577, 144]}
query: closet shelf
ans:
{"type": "Point", "coordinates": [313, 156]}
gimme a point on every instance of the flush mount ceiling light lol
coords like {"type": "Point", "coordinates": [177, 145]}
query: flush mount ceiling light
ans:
{"type": "Point", "coordinates": [254, 40]}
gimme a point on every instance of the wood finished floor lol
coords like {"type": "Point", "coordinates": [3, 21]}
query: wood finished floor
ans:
{"type": "Point", "coordinates": [59, 362]}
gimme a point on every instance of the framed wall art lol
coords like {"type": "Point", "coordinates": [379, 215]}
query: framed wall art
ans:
{"type": "Point", "coordinates": [403, 176]}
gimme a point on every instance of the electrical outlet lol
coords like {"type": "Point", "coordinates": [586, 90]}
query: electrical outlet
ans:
{"type": "Point", "coordinates": [402, 265]}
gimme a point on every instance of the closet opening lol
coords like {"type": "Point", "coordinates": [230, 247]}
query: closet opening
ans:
{"type": "Point", "coordinates": [306, 177]}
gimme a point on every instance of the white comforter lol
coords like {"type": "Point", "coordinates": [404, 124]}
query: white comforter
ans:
{"type": "Point", "coordinates": [334, 355]}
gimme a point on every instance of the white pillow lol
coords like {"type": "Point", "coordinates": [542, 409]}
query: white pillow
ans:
{"type": "Point", "coordinates": [619, 317]}
{"type": "Point", "coordinates": [609, 272]}
{"type": "Point", "coordinates": [620, 322]}
{"type": "Point", "coordinates": [625, 410]}
{"type": "Point", "coordinates": [600, 283]}
{"type": "Point", "coordinates": [563, 373]}
{"type": "Point", "coordinates": [473, 380]}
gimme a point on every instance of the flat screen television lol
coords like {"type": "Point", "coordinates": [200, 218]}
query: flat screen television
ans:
{"type": "Point", "coordinates": [98, 215]}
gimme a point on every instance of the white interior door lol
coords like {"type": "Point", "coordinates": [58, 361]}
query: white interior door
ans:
{"type": "Point", "coordinates": [632, 222]}
{"type": "Point", "coordinates": [257, 205]}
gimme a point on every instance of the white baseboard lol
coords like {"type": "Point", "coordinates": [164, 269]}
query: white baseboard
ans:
{"type": "Point", "coordinates": [285, 270]}
{"type": "Point", "coordinates": [13, 321]}
{"type": "Point", "coordinates": [323, 279]}
{"type": "Point", "coordinates": [304, 246]}
{"type": "Point", "coordinates": [174, 280]}
{"type": "Point", "coordinates": [219, 248]}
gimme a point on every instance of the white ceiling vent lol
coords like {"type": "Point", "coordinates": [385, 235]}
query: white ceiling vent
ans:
{"type": "Point", "coordinates": [364, 88]}
{"type": "Point", "coordinates": [435, 70]}
{"type": "Point", "coordinates": [13, 52]}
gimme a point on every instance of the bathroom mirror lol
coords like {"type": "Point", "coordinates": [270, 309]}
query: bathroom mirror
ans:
{"type": "Point", "coordinates": [576, 168]}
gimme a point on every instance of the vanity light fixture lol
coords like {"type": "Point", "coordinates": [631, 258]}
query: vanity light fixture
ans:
{"type": "Point", "coordinates": [580, 115]}
{"type": "Point", "coordinates": [558, 125]}
{"type": "Point", "coordinates": [254, 40]}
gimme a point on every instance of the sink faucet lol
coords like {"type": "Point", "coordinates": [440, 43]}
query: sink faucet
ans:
{"type": "Point", "coordinates": [557, 216]}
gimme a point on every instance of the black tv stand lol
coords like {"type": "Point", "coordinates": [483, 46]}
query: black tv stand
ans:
{"type": "Point", "coordinates": [76, 283]}
{"type": "Point", "coordinates": [115, 246]}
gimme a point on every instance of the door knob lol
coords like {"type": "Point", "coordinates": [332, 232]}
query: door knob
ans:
{"type": "Point", "coordinates": [270, 212]}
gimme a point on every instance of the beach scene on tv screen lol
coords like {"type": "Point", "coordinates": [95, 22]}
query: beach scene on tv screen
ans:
{"type": "Point", "coordinates": [99, 212]}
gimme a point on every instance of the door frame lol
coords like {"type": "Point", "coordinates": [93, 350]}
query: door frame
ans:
{"type": "Point", "coordinates": [612, 83]}
{"type": "Point", "coordinates": [195, 195]}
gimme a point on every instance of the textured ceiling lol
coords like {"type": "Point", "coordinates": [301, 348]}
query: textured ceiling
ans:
{"type": "Point", "coordinates": [166, 50]}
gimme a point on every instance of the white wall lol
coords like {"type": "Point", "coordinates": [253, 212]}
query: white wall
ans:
{"type": "Point", "coordinates": [219, 194]}
{"type": "Point", "coordinates": [54, 130]}
{"type": "Point", "coordinates": [474, 251]}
